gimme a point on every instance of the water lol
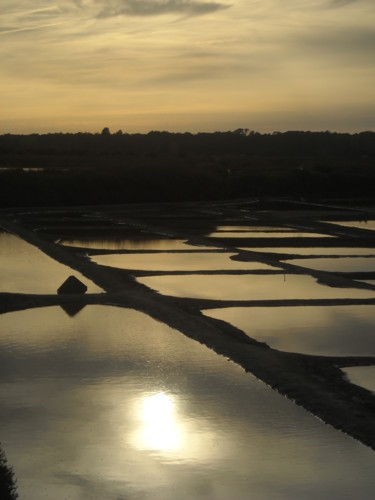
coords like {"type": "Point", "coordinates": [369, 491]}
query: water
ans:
{"type": "Point", "coordinates": [340, 264]}
{"type": "Point", "coordinates": [370, 282]}
{"type": "Point", "coordinates": [250, 287]}
{"type": "Point", "coordinates": [177, 262]}
{"type": "Point", "coordinates": [112, 404]}
{"type": "Point", "coordinates": [266, 234]}
{"type": "Point", "coordinates": [359, 224]}
{"type": "Point", "coordinates": [130, 244]}
{"type": "Point", "coordinates": [314, 250]}
{"type": "Point", "coordinates": [25, 269]}
{"type": "Point", "coordinates": [323, 330]}
{"type": "Point", "coordinates": [363, 376]}
{"type": "Point", "coordinates": [252, 228]}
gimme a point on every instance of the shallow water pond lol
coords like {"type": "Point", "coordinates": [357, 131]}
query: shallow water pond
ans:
{"type": "Point", "coordinates": [266, 234]}
{"type": "Point", "coordinates": [363, 376]}
{"type": "Point", "coordinates": [130, 244]}
{"type": "Point", "coordinates": [315, 250]}
{"type": "Point", "coordinates": [340, 264]}
{"type": "Point", "coordinates": [26, 269]}
{"type": "Point", "coordinates": [177, 262]}
{"type": "Point", "coordinates": [360, 224]}
{"type": "Point", "coordinates": [252, 228]}
{"type": "Point", "coordinates": [112, 404]}
{"type": "Point", "coordinates": [370, 282]}
{"type": "Point", "coordinates": [249, 287]}
{"type": "Point", "coordinates": [323, 330]}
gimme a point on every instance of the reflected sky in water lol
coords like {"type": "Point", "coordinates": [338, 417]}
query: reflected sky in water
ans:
{"type": "Point", "coordinates": [360, 224]}
{"type": "Point", "coordinates": [315, 250]}
{"type": "Point", "coordinates": [177, 262]}
{"type": "Point", "coordinates": [323, 330]}
{"type": "Point", "coordinates": [361, 375]}
{"type": "Point", "coordinates": [25, 269]}
{"type": "Point", "coordinates": [112, 404]}
{"type": "Point", "coordinates": [130, 244]}
{"type": "Point", "coordinates": [249, 287]}
{"type": "Point", "coordinates": [370, 282]}
{"type": "Point", "coordinates": [340, 264]}
{"type": "Point", "coordinates": [267, 234]}
{"type": "Point", "coordinates": [252, 228]}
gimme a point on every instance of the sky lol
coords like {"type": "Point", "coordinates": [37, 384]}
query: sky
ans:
{"type": "Point", "coordinates": [187, 65]}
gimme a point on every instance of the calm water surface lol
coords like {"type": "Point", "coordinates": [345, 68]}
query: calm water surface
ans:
{"type": "Point", "coordinates": [315, 250]}
{"type": "Point", "coordinates": [249, 287]}
{"type": "Point", "coordinates": [341, 264]}
{"type": "Point", "coordinates": [361, 375]}
{"type": "Point", "coordinates": [370, 282]}
{"type": "Point", "coordinates": [130, 244]}
{"type": "Point", "coordinates": [25, 269]}
{"type": "Point", "coordinates": [175, 261]}
{"type": "Point", "coordinates": [112, 404]}
{"type": "Point", "coordinates": [323, 330]}
{"type": "Point", "coordinates": [252, 228]}
{"type": "Point", "coordinates": [267, 234]}
{"type": "Point", "coordinates": [360, 224]}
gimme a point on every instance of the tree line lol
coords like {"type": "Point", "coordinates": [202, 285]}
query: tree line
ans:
{"type": "Point", "coordinates": [86, 168]}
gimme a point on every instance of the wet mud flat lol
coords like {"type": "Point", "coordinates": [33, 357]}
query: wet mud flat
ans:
{"type": "Point", "coordinates": [317, 383]}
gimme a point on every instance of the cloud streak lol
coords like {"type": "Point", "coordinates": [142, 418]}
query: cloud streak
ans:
{"type": "Point", "coordinates": [144, 8]}
{"type": "Point", "coordinates": [92, 61]}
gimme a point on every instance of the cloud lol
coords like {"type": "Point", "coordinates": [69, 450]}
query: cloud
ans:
{"type": "Point", "coordinates": [141, 8]}
{"type": "Point", "coordinates": [353, 45]}
{"type": "Point", "coordinates": [341, 3]}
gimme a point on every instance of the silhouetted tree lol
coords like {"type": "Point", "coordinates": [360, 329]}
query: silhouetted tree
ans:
{"type": "Point", "coordinates": [8, 489]}
{"type": "Point", "coordinates": [106, 131]}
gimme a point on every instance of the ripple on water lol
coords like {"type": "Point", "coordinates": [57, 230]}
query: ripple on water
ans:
{"type": "Point", "coordinates": [113, 404]}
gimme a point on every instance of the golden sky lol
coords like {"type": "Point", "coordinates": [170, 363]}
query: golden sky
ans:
{"type": "Point", "coordinates": [187, 65]}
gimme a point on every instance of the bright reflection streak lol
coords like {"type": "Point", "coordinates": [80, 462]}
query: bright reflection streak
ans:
{"type": "Point", "coordinates": [160, 431]}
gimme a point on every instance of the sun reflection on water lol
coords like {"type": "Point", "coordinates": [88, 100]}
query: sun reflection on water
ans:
{"type": "Point", "coordinates": [160, 429]}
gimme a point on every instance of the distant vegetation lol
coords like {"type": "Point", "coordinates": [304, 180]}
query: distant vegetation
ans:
{"type": "Point", "coordinates": [86, 168]}
{"type": "Point", "coordinates": [7, 481]}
